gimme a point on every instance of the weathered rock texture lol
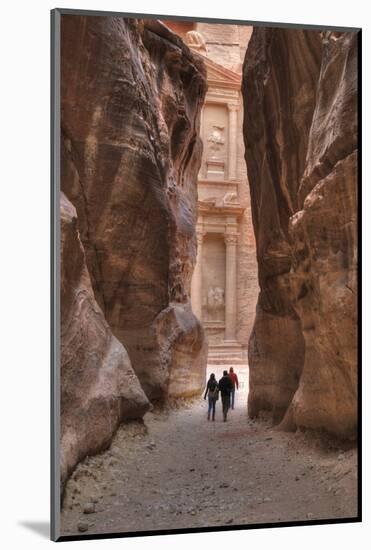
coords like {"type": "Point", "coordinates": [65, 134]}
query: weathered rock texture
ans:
{"type": "Point", "coordinates": [131, 98]}
{"type": "Point", "coordinates": [300, 94]}
{"type": "Point", "coordinates": [98, 386]}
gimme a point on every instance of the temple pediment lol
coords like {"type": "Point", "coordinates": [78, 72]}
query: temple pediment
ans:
{"type": "Point", "coordinates": [221, 77]}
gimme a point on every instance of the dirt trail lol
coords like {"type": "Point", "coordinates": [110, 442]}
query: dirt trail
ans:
{"type": "Point", "coordinates": [177, 470]}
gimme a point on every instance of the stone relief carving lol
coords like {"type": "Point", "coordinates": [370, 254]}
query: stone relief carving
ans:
{"type": "Point", "coordinates": [230, 197]}
{"type": "Point", "coordinates": [194, 39]}
{"type": "Point", "coordinates": [216, 140]}
{"type": "Point", "coordinates": [231, 239]}
{"type": "Point", "coordinates": [215, 297]}
{"type": "Point", "coordinates": [209, 200]}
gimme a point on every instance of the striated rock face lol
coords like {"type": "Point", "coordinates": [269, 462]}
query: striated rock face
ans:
{"type": "Point", "coordinates": [131, 99]}
{"type": "Point", "coordinates": [300, 128]}
{"type": "Point", "coordinates": [99, 388]}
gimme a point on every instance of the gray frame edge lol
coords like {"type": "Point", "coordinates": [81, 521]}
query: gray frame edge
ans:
{"type": "Point", "coordinates": [309, 27]}
{"type": "Point", "coordinates": [55, 492]}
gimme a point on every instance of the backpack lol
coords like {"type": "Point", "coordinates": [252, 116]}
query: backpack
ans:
{"type": "Point", "coordinates": [214, 393]}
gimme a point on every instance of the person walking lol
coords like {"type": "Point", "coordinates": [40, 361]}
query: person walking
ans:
{"type": "Point", "coordinates": [233, 376]}
{"type": "Point", "coordinates": [212, 391]}
{"type": "Point", "coordinates": [225, 387]}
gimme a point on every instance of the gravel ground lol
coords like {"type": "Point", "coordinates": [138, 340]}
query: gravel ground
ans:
{"type": "Point", "coordinates": [177, 470]}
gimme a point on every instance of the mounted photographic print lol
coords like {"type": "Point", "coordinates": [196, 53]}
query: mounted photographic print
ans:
{"type": "Point", "coordinates": [205, 198]}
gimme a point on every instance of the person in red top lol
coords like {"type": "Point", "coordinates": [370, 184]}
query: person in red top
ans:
{"type": "Point", "coordinates": [233, 376]}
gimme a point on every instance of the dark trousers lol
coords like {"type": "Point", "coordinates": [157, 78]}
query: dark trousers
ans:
{"type": "Point", "coordinates": [226, 402]}
{"type": "Point", "coordinates": [212, 403]}
{"type": "Point", "coordinates": [232, 397]}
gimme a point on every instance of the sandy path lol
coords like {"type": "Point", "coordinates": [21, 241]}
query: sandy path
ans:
{"type": "Point", "coordinates": [181, 471]}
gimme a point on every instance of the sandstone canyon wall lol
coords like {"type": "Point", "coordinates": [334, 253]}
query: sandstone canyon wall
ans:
{"type": "Point", "coordinates": [132, 92]}
{"type": "Point", "coordinates": [300, 128]}
{"type": "Point", "coordinates": [98, 386]}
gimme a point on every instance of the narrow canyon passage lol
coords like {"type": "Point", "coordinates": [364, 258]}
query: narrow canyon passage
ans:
{"type": "Point", "coordinates": [189, 260]}
{"type": "Point", "coordinates": [177, 470]}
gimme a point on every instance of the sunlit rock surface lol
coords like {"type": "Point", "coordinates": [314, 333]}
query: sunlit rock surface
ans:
{"type": "Point", "coordinates": [300, 127]}
{"type": "Point", "coordinates": [131, 98]}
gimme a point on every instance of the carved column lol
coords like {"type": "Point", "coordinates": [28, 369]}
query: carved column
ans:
{"type": "Point", "coordinates": [203, 167]}
{"type": "Point", "coordinates": [196, 286]}
{"type": "Point", "coordinates": [232, 141]}
{"type": "Point", "coordinates": [230, 286]}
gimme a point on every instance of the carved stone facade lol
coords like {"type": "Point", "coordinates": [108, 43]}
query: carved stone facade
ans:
{"type": "Point", "coordinates": [224, 285]}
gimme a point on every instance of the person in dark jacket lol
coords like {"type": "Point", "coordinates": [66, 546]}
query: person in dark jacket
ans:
{"type": "Point", "coordinates": [225, 388]}
{"type": "Point", "coordinates": [212, 390]}
{"type": "Point", "coordinates": [233, 376]}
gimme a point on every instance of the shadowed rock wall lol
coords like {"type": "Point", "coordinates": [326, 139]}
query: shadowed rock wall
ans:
{"type": "Point", "coordinates": [131, 99]}
{"type": "Point", "coordinates": [300, 128]}
{"type": "Point", "coordinates": [99, 388]}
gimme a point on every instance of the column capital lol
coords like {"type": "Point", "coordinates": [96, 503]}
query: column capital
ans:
{"type": "Point", "coordinates": [231, 238]}
{"type": "Point", "coordinates": [233, 107]}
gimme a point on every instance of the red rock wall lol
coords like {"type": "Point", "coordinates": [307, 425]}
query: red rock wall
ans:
{"type": "Point", "coordinates": [131, 99]}
{"type": "Point", "coordinates": [300, 94]}
{"type": "Point", "coordinates": [98, 386]}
